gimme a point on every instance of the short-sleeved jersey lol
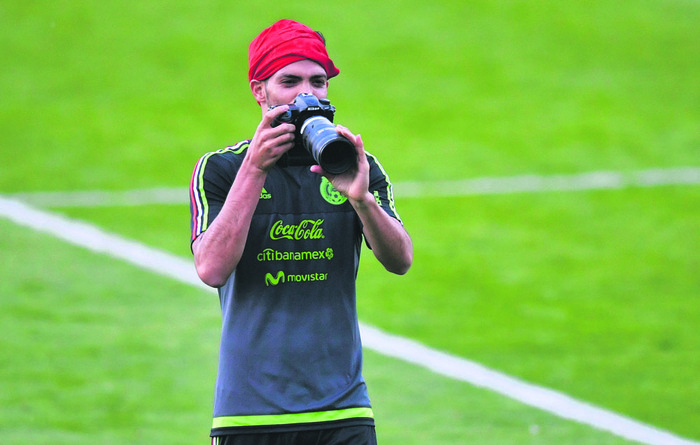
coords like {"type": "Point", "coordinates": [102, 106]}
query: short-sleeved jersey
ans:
{"type": "Point", "coordinates": [290, 354]}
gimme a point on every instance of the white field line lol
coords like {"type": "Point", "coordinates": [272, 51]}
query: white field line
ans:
{"type": "Point", "coordinates": [599, 180]}
{"type": "Point", "coordinates": [172, 266]}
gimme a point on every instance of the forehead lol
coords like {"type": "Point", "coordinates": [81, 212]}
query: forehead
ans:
{"type": "Point", "coordinates": [302, 68]}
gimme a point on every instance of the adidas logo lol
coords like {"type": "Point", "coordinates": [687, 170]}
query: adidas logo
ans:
{"type": "Point", "coordinates": [265, 195]}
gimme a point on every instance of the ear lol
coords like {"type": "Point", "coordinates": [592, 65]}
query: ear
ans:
{"type": "Point", "coordinates": [257, 87]}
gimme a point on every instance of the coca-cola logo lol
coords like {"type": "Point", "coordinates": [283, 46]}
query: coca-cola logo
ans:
{"type": "Point", "coordinates": [305, 230]}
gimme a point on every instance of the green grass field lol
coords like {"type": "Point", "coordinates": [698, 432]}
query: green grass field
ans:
{"type": "Point", "coordinates": [592, 293]}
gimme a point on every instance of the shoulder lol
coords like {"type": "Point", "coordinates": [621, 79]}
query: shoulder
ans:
{"type": "Point", "coordinates": [376, 169]}
{"type": "Point", "coordinates": [227, 159]}
{"type": "Point", "coordinates": [218, 167]}
{"type": "Point", "coordinates": [232, 153]}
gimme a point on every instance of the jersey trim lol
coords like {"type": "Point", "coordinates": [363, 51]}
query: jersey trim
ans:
{"type": "Point", "coordinates": [389, 187]}
{"type": "Point", "coordinates": [289, 419]}
{"type": "Point", "coordinates": [198, 197]}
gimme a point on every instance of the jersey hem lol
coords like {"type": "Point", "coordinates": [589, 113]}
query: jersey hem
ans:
{"type": "Point", "coordinates": [291, 428]}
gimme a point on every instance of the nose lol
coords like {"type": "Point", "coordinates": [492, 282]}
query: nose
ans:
{"type": "Point", "coordinates": [306, 88]}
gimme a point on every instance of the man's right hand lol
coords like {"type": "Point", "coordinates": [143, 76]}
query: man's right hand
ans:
{"type": "Point", "coordinates": [270, 143]}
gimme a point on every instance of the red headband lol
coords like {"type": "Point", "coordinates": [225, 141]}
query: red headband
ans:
{"type": "Point", "coordinates": [283, 43]}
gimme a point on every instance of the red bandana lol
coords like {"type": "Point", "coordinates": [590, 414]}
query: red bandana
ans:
{"type": "Point", "coordinates": [283, 43]}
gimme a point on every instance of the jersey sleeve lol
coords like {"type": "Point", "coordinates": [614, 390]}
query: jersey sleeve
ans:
{"type": "Point", "coordinates": [211, 181]}
{"type": "Point", "coordinates": [380, 186]}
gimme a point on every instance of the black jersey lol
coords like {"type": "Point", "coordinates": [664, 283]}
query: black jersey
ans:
{"type": "Point", "coordinates": [291, 355]}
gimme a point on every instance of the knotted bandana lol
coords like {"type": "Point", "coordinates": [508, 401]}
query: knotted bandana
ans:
{"type": "Point", "coordinates": [283, 43]}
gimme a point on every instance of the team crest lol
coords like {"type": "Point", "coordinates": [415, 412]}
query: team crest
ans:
{"type": "Point", "coordinates": [330, 194]}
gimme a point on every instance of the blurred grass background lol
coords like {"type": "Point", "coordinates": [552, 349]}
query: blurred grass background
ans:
{"type": "Point", "coordinates": [592, 293]}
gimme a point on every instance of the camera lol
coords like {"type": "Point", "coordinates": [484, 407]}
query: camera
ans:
{"type": "Point", "coordinates": [316, 139]}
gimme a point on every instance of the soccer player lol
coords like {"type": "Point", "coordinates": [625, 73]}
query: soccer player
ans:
{"type": "Point", "coordinates": [281, 241]}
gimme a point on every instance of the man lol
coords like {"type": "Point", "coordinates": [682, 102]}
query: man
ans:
{"type": "Point", "coordinates": [281, 241]}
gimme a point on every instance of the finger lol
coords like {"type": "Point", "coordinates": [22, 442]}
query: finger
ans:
{"type": "Point", "coordinates": [272, 114]}
{"type": "Point", "coordinates": [360, 144]}
{"type": "Point", "coordinates": [266, 129]}
{"type": "Point", "coordinates": [284, 133]}
{"type": "Point", "coordinates": [318, 170]}
{"type": "Point", "coordinates": [284, 139]}
{"type": "Point", "coordinates": [268, 139]}
{"type": "Point", "coordinates": [344, 131]}
{"type": "Point", "coordinates": [348, 134]}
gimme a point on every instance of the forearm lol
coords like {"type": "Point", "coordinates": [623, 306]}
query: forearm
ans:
{"type": "Point", "coordinates": [390, 242]}
{"type": "Point", "coordinates": [218, 249]}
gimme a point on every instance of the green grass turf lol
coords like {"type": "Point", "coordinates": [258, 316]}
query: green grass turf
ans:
{"type": "Point", "coordinates": [101, 351]}
{"type": "Point", "coordinates": [116, 95]}
{"type": "Point", "coordinates": [588, 292]}
{"type": "Point", "coordinates": [415, 407]}
{"type": "Point", "coordinates": [95, 350]}
{"type": "Point", "coordinates": [593, 293]}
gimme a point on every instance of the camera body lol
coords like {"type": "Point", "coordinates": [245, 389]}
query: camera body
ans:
{"type": "Point", "coordinates": [316, 139]}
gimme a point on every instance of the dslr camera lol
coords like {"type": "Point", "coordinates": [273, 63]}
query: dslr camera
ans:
{"type": "Point", "coordinates": [316, 139]}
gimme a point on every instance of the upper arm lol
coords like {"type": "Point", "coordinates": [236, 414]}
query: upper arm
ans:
{"type": "Point", "coordinates": [211, 181]}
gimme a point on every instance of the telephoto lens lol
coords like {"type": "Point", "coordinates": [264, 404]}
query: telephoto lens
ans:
{"type": "Point", "coordinates": [332, 151]}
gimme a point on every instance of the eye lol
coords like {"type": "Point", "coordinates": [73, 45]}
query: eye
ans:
{"type": "Point", "coordinates": [289, 81]}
